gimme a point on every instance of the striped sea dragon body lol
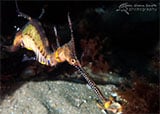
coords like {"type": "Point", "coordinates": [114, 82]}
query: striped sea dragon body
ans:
{"type": "Point", "coordinates": [32, 37]}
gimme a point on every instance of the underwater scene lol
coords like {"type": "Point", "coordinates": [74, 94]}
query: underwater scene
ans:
{"type": "Point", "coordinates": [79, 57]}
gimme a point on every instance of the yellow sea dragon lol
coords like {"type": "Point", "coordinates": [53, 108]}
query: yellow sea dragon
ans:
{"type": "Point", "coordinates": [32, 37]}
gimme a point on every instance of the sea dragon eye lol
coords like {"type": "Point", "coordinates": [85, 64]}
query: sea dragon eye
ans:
{"type": "Point", "coordinates": [73, 61]}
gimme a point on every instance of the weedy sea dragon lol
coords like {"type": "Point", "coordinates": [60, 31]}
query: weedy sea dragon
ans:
{"type": "Point", "coordinates": [32, 37]}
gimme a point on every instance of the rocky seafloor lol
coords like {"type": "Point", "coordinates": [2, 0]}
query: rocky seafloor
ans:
{"type": "Point", "coordinates": [53, 97]}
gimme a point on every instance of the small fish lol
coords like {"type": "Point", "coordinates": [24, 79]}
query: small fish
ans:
{"type": "Point", "coordinates": [26, 58]}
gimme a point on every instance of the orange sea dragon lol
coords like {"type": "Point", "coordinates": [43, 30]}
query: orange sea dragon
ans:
{"type": "Point", "coordinates": [32, 37]}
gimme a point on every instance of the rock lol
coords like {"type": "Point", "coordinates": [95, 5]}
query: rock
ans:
{"type": "Point", "coordinates": [53, 97]}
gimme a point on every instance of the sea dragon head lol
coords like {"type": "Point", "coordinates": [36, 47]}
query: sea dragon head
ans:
{"type": "Point", "coordinates": [67, 53]}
